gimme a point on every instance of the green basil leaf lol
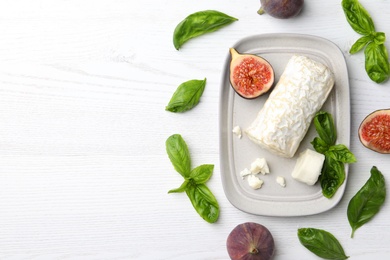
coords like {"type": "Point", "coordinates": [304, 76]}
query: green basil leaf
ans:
{"type": "Point", "coordinates": [182, 188]}
{"type": "Point", "coordinates": [360, 44]}
{"type": "Point", "coordinates": [199, 23]}
{"type": "Point", "coordinates": [319, 145]}
{"type": "Point", "coordinates": [323, 122]}
{"type": "Point", "coordinates": [341, 153]}
{"type": "Point", "coordinates": [358, 17]}
{"type": "Point", "coordinates": [377, 62]}
{"type": "Point", "coordinates": [321, 243]}
{"type": "Point", "coordinates": [367, 201]}
{"type": "Point", "coordinates": [202, 173]}
{"type": "Point", "coordinates": [332, 176]}
{"type": "Point", "coordinates": [186, 96]}
{"type": "Point", "coordinates": [379, 38]}
{"type": "Point", "coordinates": [203, 201]}
{"type": "Point", "coordinates": [179, 154]}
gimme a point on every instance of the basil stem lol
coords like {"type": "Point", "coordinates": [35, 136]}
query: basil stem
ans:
{"type": "Point", "coordinates": [367, 201]}
{"type": "Point", "coordinates": [201, 197]}
{"type": "Point", "coordinates": [377, 63]}
{"type": "Point", "coordinates": [186, 96]}
{"type": "Point", "coordinates": [199, 23]}
{"type": "Point", "coordinates": [321, 243]}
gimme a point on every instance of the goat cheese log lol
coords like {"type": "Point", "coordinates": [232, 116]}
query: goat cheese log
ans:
{"type": "Point", "coordinates": [285, 118]}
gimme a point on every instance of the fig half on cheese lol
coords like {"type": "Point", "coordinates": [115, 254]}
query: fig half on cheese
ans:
{"type": "Point", "coordinates": [250, 75]}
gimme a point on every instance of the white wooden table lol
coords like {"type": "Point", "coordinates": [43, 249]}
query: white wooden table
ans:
{"type": "Point", "coordinates": [83, 168]}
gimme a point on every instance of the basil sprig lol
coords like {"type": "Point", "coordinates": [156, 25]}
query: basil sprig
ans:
{"type": "Point", "coordinates": [333, 170]}
{"type": "Point", "coordinates": [194, 184]}
{"type": "Point", "coordinates": [376, 57]}
{"type": "Point", "coordinates": [367, 201]}
{"type": "Point", "coordinates": [199, 23]}
{"type": "Point", "coordinates": [321, 243]}
{"type": "Point", "coordinates": [186, 96]}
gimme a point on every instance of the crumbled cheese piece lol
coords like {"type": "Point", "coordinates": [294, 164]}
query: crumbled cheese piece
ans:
{"type": "Point", "coordinates": [254, 182]}
{"type": "Point", "coordinates": [237, 131]}
{"type": "Point", "coordinates": [245, 172]}
{"type": "Point", "coordinates": [308, 167]}
{"type": "Point", "coordinates": [259, 166]}
{"type": "Point", "coordinates": [281, 181]}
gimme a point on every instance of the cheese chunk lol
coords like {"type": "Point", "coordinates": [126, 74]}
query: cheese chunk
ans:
{"type": "Point", "coordinates": [259, 166]}
{"type": "Point", "coordinates": [283, 121]}
{"type": "Point", "coordinates": [254, 182]}
{"type": "Point", "coordinates": [308, 167]}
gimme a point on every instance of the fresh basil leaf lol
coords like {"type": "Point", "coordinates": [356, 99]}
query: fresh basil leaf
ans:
{"type": "Point", "coordinates": [201, 197]}
{"type": "Point", "coordinates": [332, 176]}
{"type": "Point", "coordinates": [341, 153]}
{"type": "Point", "coordinates": [367, 201]}
{"type": "Point", "coordinates": [203, 201]}
{"type": "Point", "coordinates": [319, 145]}
{"type": "Point", "coordinates": [360, 44]}
{"type": "Point", "coordinates": [202, 173]}
{"type": "Point", "coordinates": [182, 187]}
{"type": "Point", "coordinates": [376, 58]}
{"type": "Point", "coordinates": [179, 154]}
{"type": "Point", "coordinates": [199, 23]}
{"type": "Point", "coordinates": [379, 38]}
{"type": "Point", "coordinates": [324, 124]}
{"type": "Point", "coordinates": [358, 17]}
{"type": "Point", "coordinates": [321, 243]}
{"type": "Point", "coordinates": [377, 62]}
{"type": "Point", "coordinates": [186, 96]}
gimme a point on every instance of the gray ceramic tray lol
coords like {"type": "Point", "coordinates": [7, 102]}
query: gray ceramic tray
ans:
{"type": "Point", "coordinates": [296, 199]}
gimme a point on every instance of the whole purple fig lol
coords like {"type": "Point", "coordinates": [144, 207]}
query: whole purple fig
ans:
{"type": "Point", "coordinates": [250, 241]}
{"type": "Point", "coordinates": [281, 9]}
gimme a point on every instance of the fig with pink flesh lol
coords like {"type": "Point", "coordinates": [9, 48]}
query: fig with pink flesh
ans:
{"type": "Point", "coordinates": [250, 241]}
{"type": "Point", "coordinates": [374, 131]}
{"type": "Point", "coordinates": [250, 75]}
{"type": "Point", "coordinates": [281, 9]}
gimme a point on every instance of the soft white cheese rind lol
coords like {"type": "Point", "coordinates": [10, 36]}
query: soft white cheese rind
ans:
{"type": "Point", "coordinates": [284, 119]}
{"type": "Point", "coordinates": [308, 167]}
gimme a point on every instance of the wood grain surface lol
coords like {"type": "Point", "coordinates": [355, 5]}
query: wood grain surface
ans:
{"type": "Point", "coordinates": [83, 168]}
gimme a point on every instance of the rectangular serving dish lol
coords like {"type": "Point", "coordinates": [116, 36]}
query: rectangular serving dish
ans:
{"type": "Point", "coordinates": [296, 199]}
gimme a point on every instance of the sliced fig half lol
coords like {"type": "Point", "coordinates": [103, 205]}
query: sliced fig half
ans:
{"type": "Point", "coordinates": [250, 75]}
{"type": "Point", "coordinates": [250, 241]}
{"type": "Point", "coordinates": [374, 131]}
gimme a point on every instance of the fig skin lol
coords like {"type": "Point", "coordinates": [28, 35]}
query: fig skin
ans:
{"type": "Point", "coordinates": [281, 9]}
{"type": "Point", "coordinates": [250, 241]}
{"type": "Point", "coordinates": [374, 131]}
{"type": "Point", "coordinates": [260, 77]}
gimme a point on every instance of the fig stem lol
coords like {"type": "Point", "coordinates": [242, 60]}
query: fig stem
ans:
{"type": "Point", "coordinates": [261, 11]}
{"type": "Point", "coordinates": [254, 250]}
